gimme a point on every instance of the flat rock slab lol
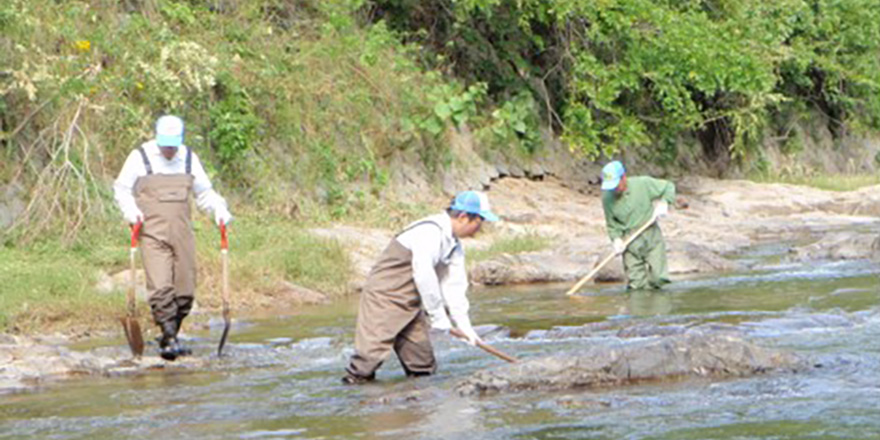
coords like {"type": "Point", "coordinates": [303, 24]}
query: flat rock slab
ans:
{"type": "Point", "coordinates": [691, 354]}
{"type": "Point", "coordinates": [27, 362]}
{"type": "Point", "coordinates": [848, 245]}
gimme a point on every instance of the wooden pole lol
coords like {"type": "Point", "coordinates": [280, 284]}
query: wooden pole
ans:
{"type": "Point", "coordinates": [596, 270]}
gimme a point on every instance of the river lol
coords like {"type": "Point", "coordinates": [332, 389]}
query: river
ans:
{"type": "Point", "coordinates": [281, 379]}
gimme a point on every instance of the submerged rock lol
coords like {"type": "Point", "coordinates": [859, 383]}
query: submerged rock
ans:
{"type": "Point", "coordinates": [491, 332]}
{"type": "Point", "coordinates": [812, 321]}
{"type": "Point", "coordinates": [649, 330]}
{"type": "Point", "coordinates": [405, 397]}
{"type": "Point", "coordinates": [566, 332]}
{"type": "Point", "coordinates": [690, 354]}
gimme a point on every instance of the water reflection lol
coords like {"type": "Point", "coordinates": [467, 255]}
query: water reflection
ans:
{"type": "Point", "coordinates": [649, 303]}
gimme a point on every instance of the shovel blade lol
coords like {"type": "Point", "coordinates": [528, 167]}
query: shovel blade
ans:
{"type": "Point", "coordinates": [223, 338]}
{"type": "Point", "coordinates": [133, 335]}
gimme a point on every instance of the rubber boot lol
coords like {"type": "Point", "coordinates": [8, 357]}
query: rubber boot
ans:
{"type": "Point", "coordinates": [182, 350]}
{"type": "Point", "coordinates": [168, 346]}
{"type": "Point", "coordinates": [351, 379]}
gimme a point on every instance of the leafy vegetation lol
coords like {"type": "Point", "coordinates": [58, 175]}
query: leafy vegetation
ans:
{"type": "Point", "coordinates": [301, 106]}
{"type": "Point", "coordinates": [642, 74]}
{"type": "Point", "coordinates": [283, 100]}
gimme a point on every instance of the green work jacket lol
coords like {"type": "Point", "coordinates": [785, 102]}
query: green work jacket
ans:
{"type": "Point", "coordinates": [626, 212]}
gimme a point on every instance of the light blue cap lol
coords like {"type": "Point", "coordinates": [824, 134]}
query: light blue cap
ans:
{"type": "Point", "coordinates": [474, 202]}
{"type": "Point", "coordinates": [611, 174]}
{"type": "Point", "coordinates": [169, 131]}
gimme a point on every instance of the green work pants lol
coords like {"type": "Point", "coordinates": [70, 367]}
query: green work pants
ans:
{"type": "Point", "coordinates": [645, 261]}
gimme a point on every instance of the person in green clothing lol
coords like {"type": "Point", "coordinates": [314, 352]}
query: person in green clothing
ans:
{"type": "Point", "coordinates": [629, 204]}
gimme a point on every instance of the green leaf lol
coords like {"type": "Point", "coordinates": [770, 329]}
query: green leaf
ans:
{"type": "Point", "coordinates": [433, 126]}
{"type": "Point", "coordinates": [442, 110]}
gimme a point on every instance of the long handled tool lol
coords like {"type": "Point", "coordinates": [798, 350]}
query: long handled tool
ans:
{"type": "Point", "coordinates": [129, 322]}
{"type": "Point", "coordinates": [224, 256]}
{"type": "Point", "coordinates": [626, 243]}
{"type": "Point", "coordinates": [487, 348]}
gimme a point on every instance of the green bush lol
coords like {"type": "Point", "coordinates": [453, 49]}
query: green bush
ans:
{"type": "Point", "coordinates": [234, 128]}
{"type": "Point", "coordinates": [633, 74]}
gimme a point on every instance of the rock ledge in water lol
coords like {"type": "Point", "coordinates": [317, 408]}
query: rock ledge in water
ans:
{"type": "Point", "coordinates": [26, 362]}
{"type": "Point", "coordinates": [691, 354]}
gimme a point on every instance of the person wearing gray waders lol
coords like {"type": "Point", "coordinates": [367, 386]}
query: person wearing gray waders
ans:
{"type": "Point", "coordinates": [628, 204]}
{"type": "Point", "coordinates": [154, 188]}
{"type": "Point", "coordinates": [419, 276]}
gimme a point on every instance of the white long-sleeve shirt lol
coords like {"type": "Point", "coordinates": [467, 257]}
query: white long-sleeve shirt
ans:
{"type": "Point", "coordinates": [431, 246]}
{"type": "Point", "coordinates": [206, 198]}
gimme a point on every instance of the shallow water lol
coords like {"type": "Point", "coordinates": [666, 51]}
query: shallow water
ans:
{"type": "Point", "coordinates": [281, 378]}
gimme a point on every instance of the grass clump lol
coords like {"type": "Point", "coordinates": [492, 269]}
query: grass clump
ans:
{"type": "Point", "coordinates": [52, 289]}
{"type": "Point", "coordinates": [515, 244]}
{"type": "Point", "coordinates": [828, 182]}
{"type": "Point", "coordinates": [49, 286]}
{"type": "Point", "coordinates": [271, 251]}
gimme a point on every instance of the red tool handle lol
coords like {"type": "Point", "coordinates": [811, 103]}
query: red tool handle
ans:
{"type": "Point", "coordinates": [135, 233]}
{"type": "Point", "coordinates": [224, 240]}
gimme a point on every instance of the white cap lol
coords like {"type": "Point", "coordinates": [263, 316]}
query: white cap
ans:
{"type": "Point", "coordinates": [169, 131]}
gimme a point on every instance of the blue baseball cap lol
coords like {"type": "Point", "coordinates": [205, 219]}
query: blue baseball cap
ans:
{"type": "Point", "coordinates": [169, 131]}
{"type": "Point", "coordinates": [611, 174]}
{"type": "Point", "coordinates": [474, 202]}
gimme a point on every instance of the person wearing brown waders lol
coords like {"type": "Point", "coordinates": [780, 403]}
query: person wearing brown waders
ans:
{"type": "Point", "coordinates": [419, 276]}
{"type": "Point", "coordinates": [154, 188]}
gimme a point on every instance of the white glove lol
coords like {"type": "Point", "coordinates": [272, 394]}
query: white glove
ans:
{"type": "Point", "coordinates": [472, 337]}
{"type": "Point", "coordinates": [618, 246]}
{"type": "Point", "coordinates": [661, 209]}
{"type": "Point", "coordinates": [440, 322]}
{"type": "Point", "coordinates": [222, 216]}
{"type": "Point", "coordinates": [133, 216]}
{"type": "Point", "coordinates": [463, 322]}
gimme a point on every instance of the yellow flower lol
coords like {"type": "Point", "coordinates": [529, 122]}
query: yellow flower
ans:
{"type": "Point", "coordinates": [83, 45]}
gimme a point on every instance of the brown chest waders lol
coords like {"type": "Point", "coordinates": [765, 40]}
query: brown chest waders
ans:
{"type": "Point", "coordinates": [390, 317]}
{"type": "Point", "coordinates": [167, 241]}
